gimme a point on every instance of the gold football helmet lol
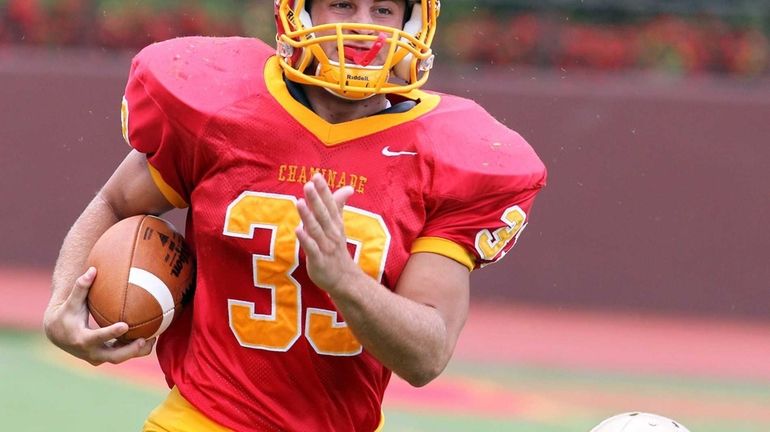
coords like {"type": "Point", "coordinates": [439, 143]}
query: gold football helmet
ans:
{"type": "Point", "coordinates": [409, 55]}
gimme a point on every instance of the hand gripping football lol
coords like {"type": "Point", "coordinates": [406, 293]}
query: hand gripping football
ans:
{"type": "Point", "coordinates": [145, 273]}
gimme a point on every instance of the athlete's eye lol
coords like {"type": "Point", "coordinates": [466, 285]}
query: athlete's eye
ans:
{"type": "Point", "coordinates": [342, 5]}
{"type": "Point", "coordinates": [383, 11]}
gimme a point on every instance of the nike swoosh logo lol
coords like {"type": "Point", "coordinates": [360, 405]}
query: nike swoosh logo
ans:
{"type": "Point", "coordinates": [386, 152]}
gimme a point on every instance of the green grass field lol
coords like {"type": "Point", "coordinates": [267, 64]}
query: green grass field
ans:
{"type": "Point", "coordinates": [41, 392]}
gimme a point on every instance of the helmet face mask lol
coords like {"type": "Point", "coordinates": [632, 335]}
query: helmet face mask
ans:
{"type": "Point", "coordinates": [356, 60]}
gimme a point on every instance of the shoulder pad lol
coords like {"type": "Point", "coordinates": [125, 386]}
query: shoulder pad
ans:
{"type": "Point", "coordinates": [469, 145]}
{"type": "Point", "coordinates": [198, 76]}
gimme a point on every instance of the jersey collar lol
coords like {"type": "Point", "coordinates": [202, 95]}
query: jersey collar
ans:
{"type": "Point", "coordinates": [331, 134]}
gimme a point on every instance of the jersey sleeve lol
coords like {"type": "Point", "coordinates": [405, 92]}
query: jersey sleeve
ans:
{"type": "Point", "coordinates": [174, 88]}
{"type": "Point", "coordinates": [149, 127]}
{"type": "Point", "coordinates": [481, 191]}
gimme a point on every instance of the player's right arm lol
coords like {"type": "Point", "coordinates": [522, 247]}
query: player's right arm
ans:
{"type": "Point", "coordinates": [130, 191]}
{"type": "Point", "coordinates": [134, 188]}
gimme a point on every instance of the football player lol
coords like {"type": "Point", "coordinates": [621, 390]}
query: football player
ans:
{"type": "Point", "coordinates": [335, 210]}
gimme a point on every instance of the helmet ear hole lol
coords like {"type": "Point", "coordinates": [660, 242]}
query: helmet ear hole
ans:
{"type": "Point", "coordinates": [403, 68]}
{"type": "Point", "coordinates": [413, 20]}
{"type": "Point", "coordinates": [304, 16]}
{"type": "Point", "coordinates": [412, 26]}
{"type": "Point", "coordinates": [408, 5]}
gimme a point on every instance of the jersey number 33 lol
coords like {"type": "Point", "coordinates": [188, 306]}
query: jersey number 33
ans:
{"type": "Point", "coordinates": [280, 329]}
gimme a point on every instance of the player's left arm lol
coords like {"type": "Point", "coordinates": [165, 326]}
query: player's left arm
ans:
{"type": "Point", "coordinates": [412, 331]}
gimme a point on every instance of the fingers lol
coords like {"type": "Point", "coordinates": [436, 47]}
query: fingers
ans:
{"type": "Point", "coordinates": [335, 202]}
{"type": "Point", "coordinates": [309, 221]}
{"type": "Point", "coordinates": [147, 348]}
{"type": "Point", "coordinates": [320, 212]}
{"type": "Point", "coordinates": [318, 207]}
{"type": "Point", "coordinates": [307, 243]}
{"type": "Point", "coordinates": [103, 335]}
{"type": "Point", "coordinates": [120, 353]}
{"type": "Point", "coordinates": [326, 206]}
{"type": "Point", "coordinates": [137, 348]}
{"type": "Point", "coordinates": [80, 291]}
{"type": "Point", "coordinates": [341, 197]}
{"type": "Point", "coordinates": [68, 328]}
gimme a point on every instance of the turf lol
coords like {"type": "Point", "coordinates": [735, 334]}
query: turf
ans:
{"type": "Point", "coordinates": [39, 392]}
{"type": "Point", "coordinates": [38, 396]}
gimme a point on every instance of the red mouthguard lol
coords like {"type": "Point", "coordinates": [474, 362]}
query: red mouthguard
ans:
{"type": "Point", "coordinates": [364, 58]}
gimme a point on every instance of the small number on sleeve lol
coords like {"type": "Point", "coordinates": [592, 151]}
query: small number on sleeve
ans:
{"type": "Point", "coordinates": [490, 243]}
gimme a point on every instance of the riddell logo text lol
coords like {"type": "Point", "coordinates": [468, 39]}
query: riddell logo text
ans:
{"type": "Point", "coordinates": [358, 78]}
{"type": "Point", "coordinates": [291, 17]}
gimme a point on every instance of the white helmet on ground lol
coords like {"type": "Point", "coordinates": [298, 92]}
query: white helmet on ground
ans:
{"type": "Point", "coordinates": [639, 422]}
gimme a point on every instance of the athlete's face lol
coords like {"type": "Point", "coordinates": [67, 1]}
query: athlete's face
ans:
{"type": "Point", "coordinates": [389, 13]}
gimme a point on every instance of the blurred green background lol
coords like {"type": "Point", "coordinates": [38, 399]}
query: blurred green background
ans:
{"type": "Point", "coordinates": [678, 36]}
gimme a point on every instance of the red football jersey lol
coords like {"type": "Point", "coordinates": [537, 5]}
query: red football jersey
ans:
{"type": "Point", "coordinates": [263, 348]}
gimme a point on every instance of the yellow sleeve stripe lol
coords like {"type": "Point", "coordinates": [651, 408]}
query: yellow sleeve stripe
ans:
{"type": "Point", "coordinates": [446, 248]}
{"type": "Point", "coordinates": [171, 195]}
{"type": "Point", "coordinates": [381, 426]}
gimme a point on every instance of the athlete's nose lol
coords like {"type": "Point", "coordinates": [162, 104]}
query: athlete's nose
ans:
{"type": "Point", "coordinates": [363, 16]}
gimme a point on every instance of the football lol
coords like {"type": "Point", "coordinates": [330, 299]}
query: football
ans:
{"type": "Point", "coordinates": [639, 422]}
{"type": "Point", "coordinates": [145, 274]}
